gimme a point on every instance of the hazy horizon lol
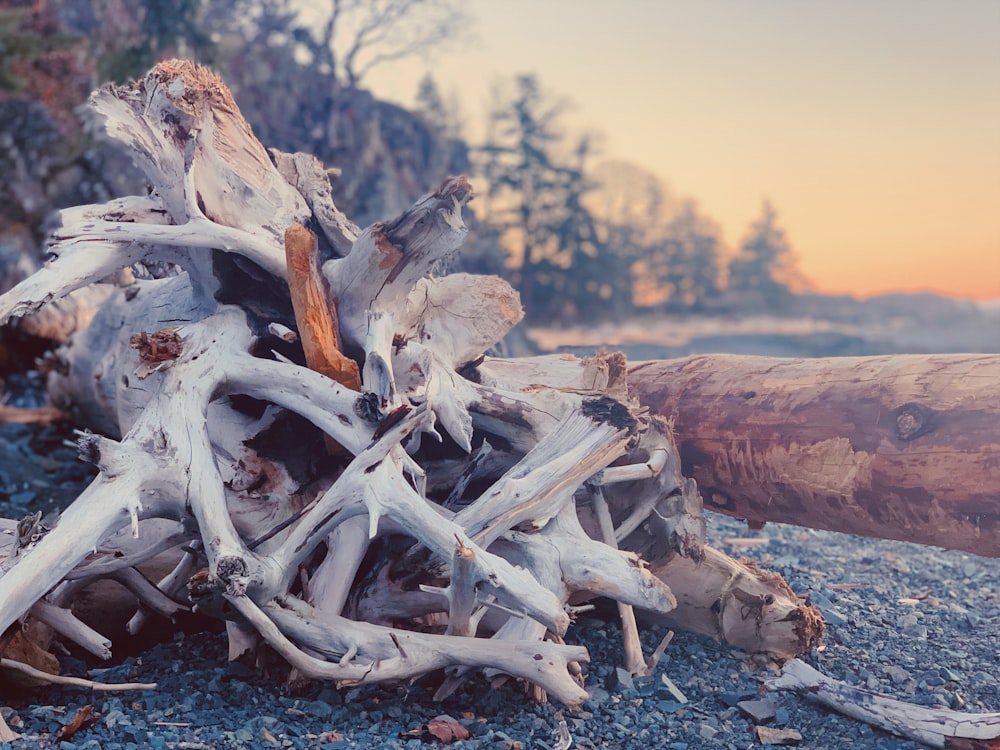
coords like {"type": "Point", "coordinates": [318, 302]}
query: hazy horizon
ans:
{"type": "Point", "coordinates": [874, 129]}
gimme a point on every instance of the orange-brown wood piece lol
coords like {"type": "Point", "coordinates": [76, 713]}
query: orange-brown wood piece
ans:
{"type": "Point", "coordinates": [315, 312]}
{"type": "Point", "coordinates": [23, 415]}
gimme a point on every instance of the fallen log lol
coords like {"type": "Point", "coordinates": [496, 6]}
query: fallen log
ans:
{"type": "Point", "coordinates": [898, 447]}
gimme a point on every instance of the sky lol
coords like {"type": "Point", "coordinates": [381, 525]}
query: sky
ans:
{"type": "Point", "coordinates": [872, 127]}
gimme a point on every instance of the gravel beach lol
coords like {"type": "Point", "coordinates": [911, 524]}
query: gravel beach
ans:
{"type": "Point", "coordinates": [914, 622]}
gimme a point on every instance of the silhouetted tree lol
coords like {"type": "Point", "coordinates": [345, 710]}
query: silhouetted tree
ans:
{"type": "Point", "coordinates": [443, 116]}
{"type": "Point", "coordinates": [696, 248]}
{"type": "Point", "coordinates": [430, 105]}
{"type": "Point", "coordinates": [535, 203]}
{"type": "Point", "coordinates": [598, 282]}
{"type": "Point", "coordinates": [764, 270]}
{"type": "Point", "coordinates": [632, 208]}
{"type": "Point", "coordinates": [358, 35]}
{"type": "Point", "coordinates": [678, 268]}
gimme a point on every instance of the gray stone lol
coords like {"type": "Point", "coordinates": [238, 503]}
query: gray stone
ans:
{"type": "Point", "coordinates": [761, 711]}
{"type": "Point", "coordinates": [731, 699]}
{"type": "Point", "coordinates": [320, 709]}
{"type": "Point", "coordinates": [623, 679]}
{"type": "Point", "coordinates": [707, 732]}
{"type": "Point", "coordinates": [597, 696]}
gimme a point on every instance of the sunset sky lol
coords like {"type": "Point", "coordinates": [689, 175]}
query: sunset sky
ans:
{"type": "Point", "coordinates": [873, 127]}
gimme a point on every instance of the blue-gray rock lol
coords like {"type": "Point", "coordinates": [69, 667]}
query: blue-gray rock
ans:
{"type": "Point", "coordinates": [597, 697]}
{"type": "Point", "coordinates": [670, 707]}
{"type": "Point", "coordinates": [732, 698]}
{"type": "Point", "coordinates": [761, 711]}
{"type": "Point", "coordinates": [319, 709]}
{"type": "Point", "coordinates": [623, 679]}
{"type": "Point", "coordinates": [831, 613]}
{"type": "Point", "coordinates": [22, 498]}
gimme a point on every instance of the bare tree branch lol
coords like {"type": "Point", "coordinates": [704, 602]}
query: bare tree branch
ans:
{"type": "Point", "coordinates": [382, 31]}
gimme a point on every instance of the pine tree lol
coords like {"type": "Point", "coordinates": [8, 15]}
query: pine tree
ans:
{"type": "Point", "coordinates": [765, 268]}
{"type": "Point", "coordinates": [535, 202]}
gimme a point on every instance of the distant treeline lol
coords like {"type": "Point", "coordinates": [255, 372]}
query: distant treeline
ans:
{"type": "Point", "coordinates": [580, 240]}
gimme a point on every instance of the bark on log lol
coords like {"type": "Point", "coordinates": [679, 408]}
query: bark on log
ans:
{"type": "Point", "coordinates": [900, 447]}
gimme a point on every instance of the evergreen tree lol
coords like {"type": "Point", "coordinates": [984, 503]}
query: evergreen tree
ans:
{"type": "Point", "coordinates": [764, 269]}
{"type": "Point", "coordinates": [632, 207]}
{"type": "Point", "coordinates": [535, 202]}
{"type": "Point", "coordinates": [680, 268]}
{"type": "Point", "coordinates": [697, 268]}
{"type": "Point", "coordinates": [430, 105]}
{"type": "Point", "coordinates": [443, 117]}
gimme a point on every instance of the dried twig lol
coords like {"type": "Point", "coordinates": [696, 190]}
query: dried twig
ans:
{"type": "Point", "coordinates": [55, 679]}
{"type": "Point", "coordinates": [19, 415]}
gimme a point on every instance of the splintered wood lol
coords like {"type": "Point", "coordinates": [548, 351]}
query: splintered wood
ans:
{"type": "Point", "coordinates": [315, 311]}
{"type": "Point", "coordinates": [476, 502]}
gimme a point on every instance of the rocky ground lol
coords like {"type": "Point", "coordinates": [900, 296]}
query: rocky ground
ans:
{"type": "Point", "coordinates": [918, 623]}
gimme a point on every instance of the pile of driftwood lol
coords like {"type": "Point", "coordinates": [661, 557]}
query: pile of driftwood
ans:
{"type": "Point", "coordinates": [299, 420]}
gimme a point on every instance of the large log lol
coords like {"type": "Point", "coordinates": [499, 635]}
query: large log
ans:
{"type": "Point", "coordinates": [900, 447]}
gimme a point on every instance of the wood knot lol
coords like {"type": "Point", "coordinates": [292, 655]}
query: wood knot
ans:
{"type": "Point", "coordinates": [913, 420]}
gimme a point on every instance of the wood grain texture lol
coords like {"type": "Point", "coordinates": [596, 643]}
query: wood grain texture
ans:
{"type": "Point", "coordinates": [315, 312]}
{"type": "Point", "coordinates": [901, 447]}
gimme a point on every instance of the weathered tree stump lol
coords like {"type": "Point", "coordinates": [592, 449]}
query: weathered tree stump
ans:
{"type": "Point", "coordinates": [312, 510]}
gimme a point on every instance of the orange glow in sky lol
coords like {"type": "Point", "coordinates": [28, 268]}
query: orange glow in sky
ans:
{"type": "Point", "coordinates": [873, 128]}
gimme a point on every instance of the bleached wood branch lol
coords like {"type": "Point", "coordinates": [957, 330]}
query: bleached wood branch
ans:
{"type": "Point", "coordinates": [307, 175]}
{"type": "Point", "coordinates": [6, 733]}
{"type": "Point", "coordinates": [635, 662]}
{"type": "Point", "coordinates": [65, 623]}
{"type": "Point", "coordinates": [936, 727]}
{"type": "Point", "coordinates": [383, 653]}
{"type": "Point", "coordinates": [540, 485]}
{"type": "Point", "coordinates": [171, 586]}
{"type": "Point", "coordinates": [388, 259]}
{"type": "Point", "coordinates": [63, 681]}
